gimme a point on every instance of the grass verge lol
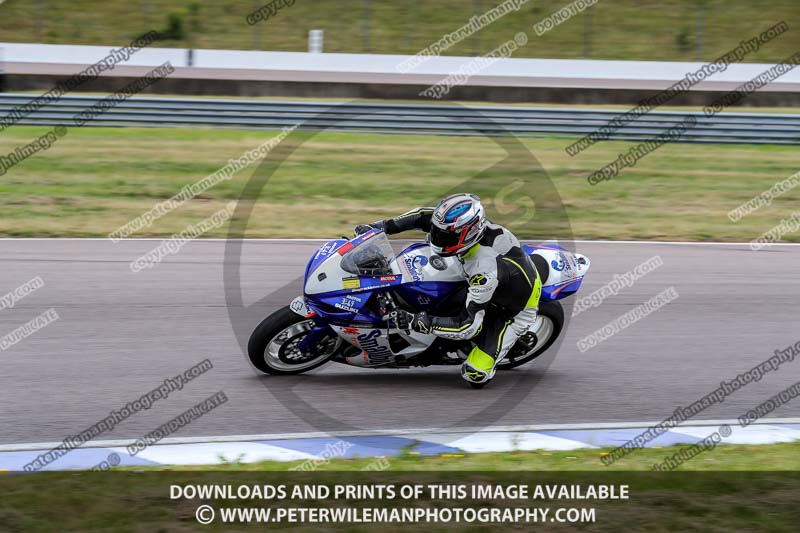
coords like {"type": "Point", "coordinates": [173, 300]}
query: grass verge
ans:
{"type": "Point", "coordinates": [671, 30]}
{"type": "Point", "coordinates": [750, 495]}
{"type": "Point", "coordinates": [94, 180]}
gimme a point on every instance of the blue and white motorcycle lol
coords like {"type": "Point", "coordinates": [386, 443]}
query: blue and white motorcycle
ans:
{"type": "Point", "coordinates": [351, 284]}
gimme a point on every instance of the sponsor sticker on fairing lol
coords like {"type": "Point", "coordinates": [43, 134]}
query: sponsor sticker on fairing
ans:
{"type": "Point", "coordinates": [348, 303]}
{"type": "Point", "coordinates": [351, 283]}
{"type": "Point", "coordinates": [299, 306]}
{"type": "Point", "coordinates": [345, 307]}
{"type": "Point", "coordinates": [326, 249]}
{"type": "Point", "coordinates": [377, 352]}
{"type": "Point", "coordinates": [414, 264]}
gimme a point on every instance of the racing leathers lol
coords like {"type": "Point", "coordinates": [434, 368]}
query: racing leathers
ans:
{"type": "Point", "coordinates": [502, 299]}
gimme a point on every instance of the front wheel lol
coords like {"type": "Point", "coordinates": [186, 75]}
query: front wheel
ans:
{"type": "Point", "coordinates": [534, 343]}
{"type": "Point", "coordinates": [275, 345]}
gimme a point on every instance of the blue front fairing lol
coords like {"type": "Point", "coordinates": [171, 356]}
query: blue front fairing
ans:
{"type": "Point", "coordinates": [350, 305]}
{"type": "Point", "coordinates": [334, 309]}
{"type": "Point", "coordinates": [353, 304]}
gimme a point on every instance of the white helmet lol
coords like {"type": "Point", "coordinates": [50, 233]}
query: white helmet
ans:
{"type": "Point", "coordinates": [457, 224]}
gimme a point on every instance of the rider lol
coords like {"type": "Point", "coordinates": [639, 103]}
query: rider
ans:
{"type": "Point", "coordinates": [504, 286]}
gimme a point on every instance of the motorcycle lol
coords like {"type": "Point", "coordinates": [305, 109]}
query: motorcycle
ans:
{"type": "Point", "coordinates": [351, 285]}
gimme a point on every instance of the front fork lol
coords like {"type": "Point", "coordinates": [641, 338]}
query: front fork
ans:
{"type": "Point", "coordinates": [386, 304]}
{"type": "Point", "coordinates": [313, 338]}
{"type": "Point", "coordinates": [317, 333]}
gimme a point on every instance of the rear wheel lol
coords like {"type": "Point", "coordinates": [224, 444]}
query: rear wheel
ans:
{"type": "Point", "coordinates": [275, 345]}
{"type": "Point", "coordinates": [534, 343]}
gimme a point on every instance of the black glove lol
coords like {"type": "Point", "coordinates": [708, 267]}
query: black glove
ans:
{"type": "Point", "coordinates": [401, 319]}
{"type": "Point", "coordinates": [404, 320]}
{"type": "Point", "coordinates": [422, 323]}
{"type": "Point", "coordinates": [363, 228]}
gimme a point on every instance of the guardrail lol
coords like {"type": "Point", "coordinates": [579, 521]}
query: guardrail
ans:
{"type": "Point", "coordinates": [752, 128]}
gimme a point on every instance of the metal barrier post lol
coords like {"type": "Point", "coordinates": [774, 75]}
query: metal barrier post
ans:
{"type": "Point", "coordinates": [315, 38]}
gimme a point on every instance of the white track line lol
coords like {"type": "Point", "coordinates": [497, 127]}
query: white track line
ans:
{"type": "Point", "coordinates": [392, 432]}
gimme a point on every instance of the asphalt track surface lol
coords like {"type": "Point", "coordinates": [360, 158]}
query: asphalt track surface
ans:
{"type": "Point", "coordinates": [120, 334]}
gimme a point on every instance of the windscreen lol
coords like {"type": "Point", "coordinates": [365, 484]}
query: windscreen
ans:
{"type": "Point", "coordinates": [370, 258]}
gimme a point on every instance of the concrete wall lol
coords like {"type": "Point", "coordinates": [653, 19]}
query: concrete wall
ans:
{"type": "Point", "coordinates": [246, 73]}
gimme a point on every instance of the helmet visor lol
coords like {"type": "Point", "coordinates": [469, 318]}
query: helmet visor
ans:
{"type": "Point", "coordinates": [444, 239]}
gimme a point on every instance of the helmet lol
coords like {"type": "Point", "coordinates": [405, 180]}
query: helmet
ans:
{"type": "Point", "coordinates": [457, 224]}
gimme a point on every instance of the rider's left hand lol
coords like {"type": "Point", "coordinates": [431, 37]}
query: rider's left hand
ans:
{"type": "Point", "coordinates": [364, 228]}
